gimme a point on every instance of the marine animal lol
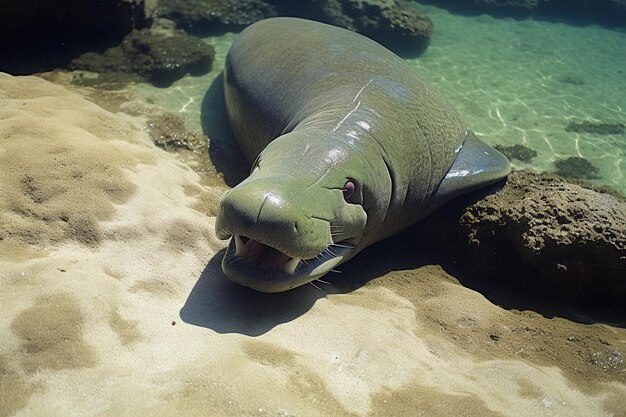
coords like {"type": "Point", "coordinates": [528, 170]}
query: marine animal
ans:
{"type": "Point", "coordinates": [348, 146]}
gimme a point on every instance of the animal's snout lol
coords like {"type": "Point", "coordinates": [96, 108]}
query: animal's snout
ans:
{"type": "Point", "coordinates": [261, 211]}
{"type": "Point", "coordinates": [249, 207]}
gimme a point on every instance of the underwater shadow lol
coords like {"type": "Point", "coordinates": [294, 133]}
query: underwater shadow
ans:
{"type": "Point", "coordinates": [223, 150]}
{"type": "Point", "coordinates": [217, 303]}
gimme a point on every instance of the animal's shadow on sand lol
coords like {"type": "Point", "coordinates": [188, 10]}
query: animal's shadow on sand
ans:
{"type": "Point", "coordinates": [225, 307]}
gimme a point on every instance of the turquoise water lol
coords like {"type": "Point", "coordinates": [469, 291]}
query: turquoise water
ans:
{"type": "Point", "coordinates": [514, 82]}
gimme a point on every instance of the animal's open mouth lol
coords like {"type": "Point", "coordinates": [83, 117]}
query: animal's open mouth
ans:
{"type": "Point", "coordinates": [259, 266]}
{"type": "Point", "coordinates": [264, 257]}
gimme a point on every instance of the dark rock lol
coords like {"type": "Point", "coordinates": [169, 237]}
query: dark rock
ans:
{"type": "Point", "coordinates": [519, 152]}
{"type": "Point", "coordinates": [214, 16]}
{"type": "Point", "coordinates": [536, 235]}
{"type": "Point", "coordinates": [39, 35]}
{"type": "Point", "coordinates": [506, 4]}
{"type": "Point", "coordinates": [570, 79]}
{"type": "Point", "coordinates": [576, 167]}
{"type": "Point", "coordinates": [515, 8]}
{"type": "Point", "coordinates": [611, 12]}
{"type": "Point", "coordinates": [595, 127]}
{"type": "Point", "coordinates": [158, 57]}
{"type": "Point", "coordinates": [392, 23]}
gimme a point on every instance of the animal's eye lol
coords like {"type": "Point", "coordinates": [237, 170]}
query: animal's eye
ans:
{"type": "Point", "coordinates": [348, 190]}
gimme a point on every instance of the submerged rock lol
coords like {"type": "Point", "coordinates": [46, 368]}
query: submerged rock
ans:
{"type": "Point", "coordinates": [215, 16]}
{"type": "Point", "coordinates": [612, 12]}
{"type": "Point", "coordinates": [570, 79]}
{"type": "Point", "coordinates": [496, 5]}
{"type": "Point", "coordinates": [576, 167]}
{"type": "Point", "coordinates": [519, 152]}
{"type": "Point", "coordinates": [146, 54]}
{"type": "Point", "coordinates": [539, 235]}
{"type": "Point", "coordinates": [598, 128]}
{"type": "Point", "coordinates": [394, 23]}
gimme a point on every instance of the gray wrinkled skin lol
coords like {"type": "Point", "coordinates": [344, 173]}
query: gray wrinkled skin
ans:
{"type": "Point", "coordinates": [316, 107]}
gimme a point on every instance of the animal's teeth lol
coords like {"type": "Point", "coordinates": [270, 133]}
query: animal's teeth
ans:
{"type": "Point", "coordinates": [291, 265]}
{"type": "Point", "coordinates": [240, 248]}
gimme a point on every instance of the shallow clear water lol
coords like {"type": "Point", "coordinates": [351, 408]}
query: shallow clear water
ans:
{"type": "Point", "coordinates": [513, 81]}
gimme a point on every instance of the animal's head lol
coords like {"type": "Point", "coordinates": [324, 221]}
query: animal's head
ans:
{"type": "Point", "coordinates": [302, 211]}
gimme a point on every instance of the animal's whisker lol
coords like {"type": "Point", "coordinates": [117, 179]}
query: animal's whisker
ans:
{"type": "Point", "coordinates": [316, 286]}
{"type": "Point", "coordinates": [341, 246]}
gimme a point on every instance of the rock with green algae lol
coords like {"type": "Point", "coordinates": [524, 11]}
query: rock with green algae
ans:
{"type": "Point", "coordinates": [612, 12]}
{"type": "Point", "coordinates": [152, 55]}
{"type": "Point", "coordinates": [576, 167]}
{"type": "Point", "coordinates": [519, 152]}
{"type": "Point", "coordinates": [394, 23]}
{"type": "Point", "coordinates": [215, 16]}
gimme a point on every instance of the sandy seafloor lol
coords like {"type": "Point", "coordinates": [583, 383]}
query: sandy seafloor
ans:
{"type": "Point", "coordinates": [113, 303]}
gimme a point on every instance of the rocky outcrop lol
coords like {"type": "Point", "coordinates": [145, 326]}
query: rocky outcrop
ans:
{"type": "Point", "coordinates": [215, 16]}
{"type": "Point", "coordinates": [159, 57]}
{"type": "Point", "coordinates": [394, 23]}
{"type": "Point", "coordinates": [611, 12]}
{"type": "Point", "coordinates": [494, 5]}
{"type": "Point", "coordinates": [540, 234]}
{"type": "Point", "coordinates": [37, 35]}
